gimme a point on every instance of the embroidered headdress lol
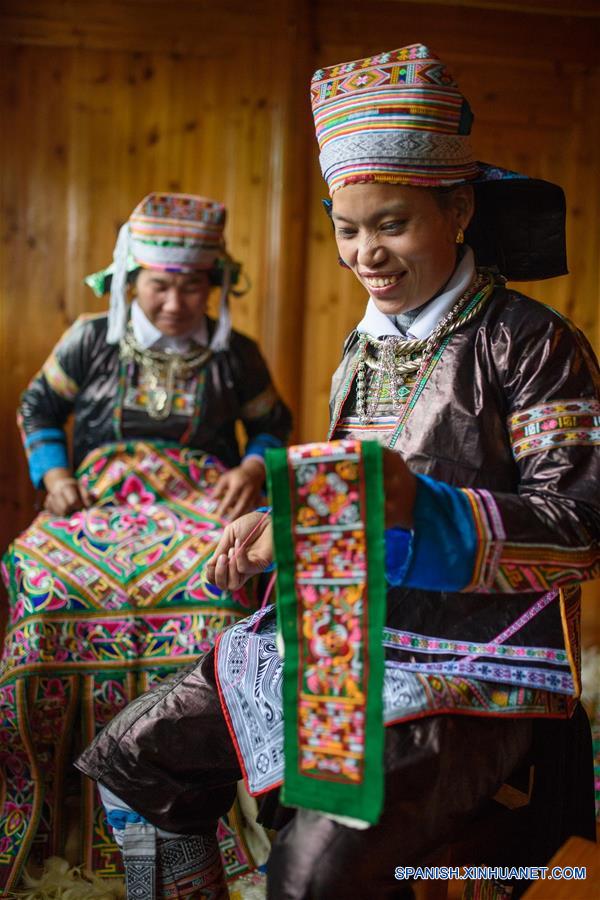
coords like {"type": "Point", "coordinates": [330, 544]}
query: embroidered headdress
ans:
{"type": "Point", "coordinates": [399, 118]}
{"type": "Point", "coordinates": [174, 233]}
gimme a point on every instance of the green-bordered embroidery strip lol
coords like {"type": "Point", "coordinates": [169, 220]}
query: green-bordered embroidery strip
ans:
{"type": "Point", "coordinates": [326, 498]}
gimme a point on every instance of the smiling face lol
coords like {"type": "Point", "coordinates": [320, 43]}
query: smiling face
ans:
{"type": "Point", "coordinates": [175, 302]}
{"type": "Point", "coordinates": [399, 241]}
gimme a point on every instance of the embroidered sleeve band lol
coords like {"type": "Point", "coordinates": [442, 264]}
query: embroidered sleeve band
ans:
{"type": "Point", "coordinates": [562, 422]}
{"type": "Point", "coordinates": [58, 379]}
{"type": "Point", "coordinates": [260, 405]}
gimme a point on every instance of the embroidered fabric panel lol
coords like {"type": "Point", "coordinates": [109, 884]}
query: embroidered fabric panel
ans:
{"type": "Point", "coordinates": [190, 866]}
{"type": "Point", "coordinates": [379, 429]}
{"type": "Point", "coordinates": [560, 423]}
{"type": "Point", "coordinates": [101, 604]}
{"type": "Point", "coordinates": [250, 675]}
{"type": "Point", "coordinates": [331, 605]}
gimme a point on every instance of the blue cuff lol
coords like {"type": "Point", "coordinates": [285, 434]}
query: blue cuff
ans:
{"type": "Point", "coordinates": [398, 554]}
{"type": "Point", "coordinates": [44, 454]}
{"type": "Point", "coordinates": [119, 818]}
{"type": "Point", "coordinates": [260, 443]}
{"type": "Point", "coordinates": [441, 555]}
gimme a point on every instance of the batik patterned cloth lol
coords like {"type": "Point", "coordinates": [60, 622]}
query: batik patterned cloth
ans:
{"type": "Point", "coordinates": [331, 607]}
{"type": "Point", "coordinates": [250, 676]}
{"type": "Point", "coordinates": [102, 605]}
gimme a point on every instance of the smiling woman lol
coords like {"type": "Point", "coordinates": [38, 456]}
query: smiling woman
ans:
{"type": "Point", "coordinates": [400, 241]}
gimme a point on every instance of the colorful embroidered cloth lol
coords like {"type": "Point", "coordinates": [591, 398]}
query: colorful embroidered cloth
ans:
{"type": "Point", "coordinates": [331, 607]}
{"type": "Point", "coordinates": [102, 605]}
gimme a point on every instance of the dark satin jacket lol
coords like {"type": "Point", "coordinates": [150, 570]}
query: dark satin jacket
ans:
{"type": "Point", "coordinates": [84, 375]}
{"type": "Point", "coordinates": [510, 413]}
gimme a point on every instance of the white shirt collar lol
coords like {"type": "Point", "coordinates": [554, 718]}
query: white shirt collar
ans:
{"type": "Point", "coordinates": [148, 335]}
{"type": "Point", "coordinates": [377, 324]}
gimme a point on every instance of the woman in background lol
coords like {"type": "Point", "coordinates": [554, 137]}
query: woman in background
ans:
{"type": "Point", "coordinates": [106, 588]}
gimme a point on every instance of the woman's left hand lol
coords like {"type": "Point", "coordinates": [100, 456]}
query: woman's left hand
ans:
{"type": "Point", "coordinates": [240, 489]}
{"type": "Point", "coordinates": [400, 489]}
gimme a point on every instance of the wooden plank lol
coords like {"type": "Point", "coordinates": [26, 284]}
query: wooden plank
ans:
{"type": "Point", "coordinates": [576, 852]}
{"type": "Point", "coordinates": [32, 204]}
{"type": "Point", "coordinates": [456, 32]}
{"type": "Point", "coordinates": [586, 9]}
{"type": "Point", "coordinates": [196, 27]}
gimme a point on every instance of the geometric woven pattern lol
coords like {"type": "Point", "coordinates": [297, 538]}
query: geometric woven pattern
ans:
{"type": "Point", "coordinates": [182, 229]}
{"type": "Point", "coordinates": [556, 424]}
{"type": "Point", "coordinates": [102, 605]}
{"type": "Point", "coordinates": [397, 117]}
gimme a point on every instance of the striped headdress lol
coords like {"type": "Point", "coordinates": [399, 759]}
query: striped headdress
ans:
{"type": "Point", "coordinates": [174, 233]}
{"type": "Point", "coordinates": [177, 232]}
{"type": "Point", "coordinates": [397, 118]}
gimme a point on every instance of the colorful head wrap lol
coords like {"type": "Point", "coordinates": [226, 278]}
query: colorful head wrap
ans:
{"type": "Point", "coordinates": [399, 118]}
{"type": "Point", "coordinates": [174, 233]}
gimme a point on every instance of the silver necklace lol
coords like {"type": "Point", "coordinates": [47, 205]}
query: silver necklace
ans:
{"type": "Point", "coordinates": [393, 358]}
{"type": "Point", "coordinates": [161, 369]}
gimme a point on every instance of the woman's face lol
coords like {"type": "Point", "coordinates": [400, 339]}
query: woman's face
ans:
{"type": "Point", "coordinates": [399, 241]}
{"type": "Point", "coordinates": [174, 302]}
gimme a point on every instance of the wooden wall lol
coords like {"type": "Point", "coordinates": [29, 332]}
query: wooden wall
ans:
{"type": "Point", "coordinates": [102, 102]}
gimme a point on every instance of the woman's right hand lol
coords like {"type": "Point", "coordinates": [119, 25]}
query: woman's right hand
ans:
{"type": "Point", "coordinates": [231, 564]}
{"type": "Point", "coordinates": [64, 496]}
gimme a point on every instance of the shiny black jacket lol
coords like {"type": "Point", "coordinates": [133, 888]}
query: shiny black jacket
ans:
{"type": "Point", "coordinates": [85, 376]}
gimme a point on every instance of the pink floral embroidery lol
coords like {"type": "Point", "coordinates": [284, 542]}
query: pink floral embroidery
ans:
{"type": "Point", "coordinates": [134, 493]}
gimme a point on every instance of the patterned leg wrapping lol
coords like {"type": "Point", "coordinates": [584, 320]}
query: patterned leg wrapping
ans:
{"type": "Point", "coordinates": [139, 856]}
{"type": "Point", "coordinates": [190, 867]}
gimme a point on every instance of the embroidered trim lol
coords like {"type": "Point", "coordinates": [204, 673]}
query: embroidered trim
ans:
{"type": "Point", "coordinates": [260, 405]}
{"type": "Point", "coordinates": [422, 643]}
{"type": "Point", "coordinates": [560, 682]}
{"type": "Point", "coordinates": [490, 539]}
{"type": "Point", "coordinates": [61, 383]}
{"type": "Point", "coordinates": [541, 567]}
{"type": "Point", "coordinates": [540, 428]}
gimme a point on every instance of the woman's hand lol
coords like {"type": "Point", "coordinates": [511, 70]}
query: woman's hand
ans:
{"type": "Point", "coordinates": [240, 488]}
{"type": "Point", "coordinates": [230, 573]}
{"type": "Point", "coordinates": [65, 495]}
{"type": "Point", "coordinates": [400, 490]}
